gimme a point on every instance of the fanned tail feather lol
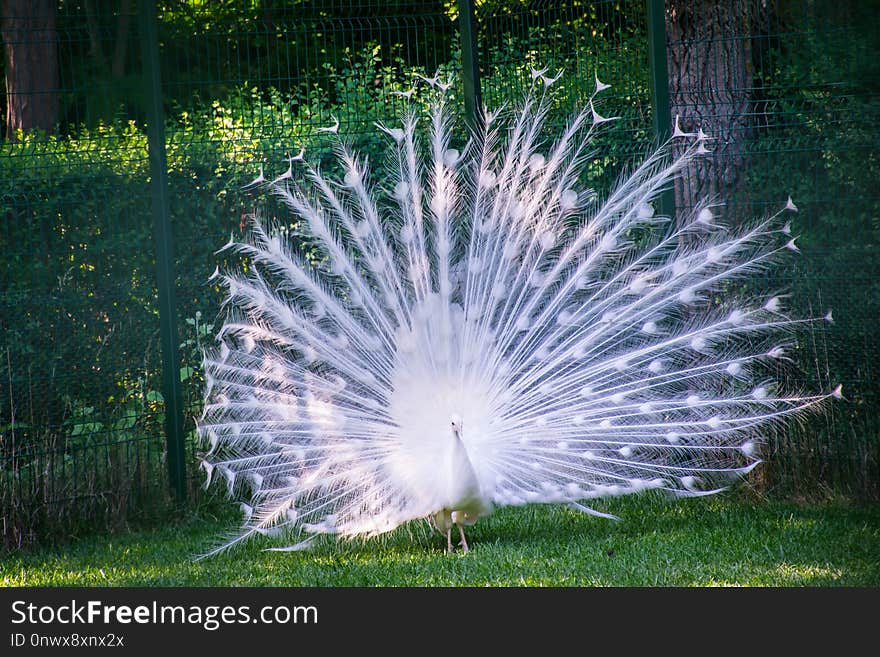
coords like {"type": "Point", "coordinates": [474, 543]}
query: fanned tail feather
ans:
{"type": "Point", "coordinates": [589, 348]}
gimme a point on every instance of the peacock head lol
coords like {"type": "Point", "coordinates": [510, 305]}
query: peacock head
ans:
{"type": "Point", "coordinates": [456, 424]}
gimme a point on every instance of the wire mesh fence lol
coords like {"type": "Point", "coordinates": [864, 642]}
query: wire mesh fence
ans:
{"type": "Point", "coordinates": [788, 90]}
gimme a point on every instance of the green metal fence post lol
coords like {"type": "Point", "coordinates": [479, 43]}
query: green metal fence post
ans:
{"type": "Point", "coordinates": [470, 63]}
{"type": "Point", "coordinates": [656, 15]}
{"type": "Point", "coordinates": [165, 278]}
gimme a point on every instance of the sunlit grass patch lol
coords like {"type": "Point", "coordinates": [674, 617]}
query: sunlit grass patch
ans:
{"type": "Point", "coordinates": [721, 541]}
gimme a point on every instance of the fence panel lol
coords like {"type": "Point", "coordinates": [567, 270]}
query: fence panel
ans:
{"type": "Point", "coordinates": [788, 92]}
{"type": "Point", "coordinates": [81, 413]}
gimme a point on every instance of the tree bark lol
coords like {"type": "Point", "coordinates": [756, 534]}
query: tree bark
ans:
{"type": "Point", "coordinates": [710, 79]}
{"type": "Point", "coordinates": [96, 52]}
{"type": "Point", "coordinates": [31, 49]}
{"type": "Point", "coordinates": [121, 47]}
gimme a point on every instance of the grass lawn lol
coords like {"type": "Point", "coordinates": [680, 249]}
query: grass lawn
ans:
{"type": "Point", "coordinates": [722, 540]}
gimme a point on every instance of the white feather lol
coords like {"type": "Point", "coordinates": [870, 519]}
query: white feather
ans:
{"type": "Point", "coordinates": [499, 344]}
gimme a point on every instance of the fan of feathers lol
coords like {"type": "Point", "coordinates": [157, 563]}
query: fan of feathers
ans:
{"type": "Point", "coordinates": [481, 330]}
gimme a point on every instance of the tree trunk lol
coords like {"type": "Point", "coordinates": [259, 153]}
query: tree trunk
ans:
{"type": "Point", "coordinates": [710, 77]}
{"type": "Point", "coordinates": [96, 52]}
{"type": "Point", "coordinates": [121, 47]}
{"type": "Point", "coordinates": [31, 48]}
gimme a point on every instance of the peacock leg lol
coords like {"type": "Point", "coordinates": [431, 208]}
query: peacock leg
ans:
{"type": "Point", "coordinates": [464, 545]}
{"type": "Point", "coordinates": [449, 540]}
